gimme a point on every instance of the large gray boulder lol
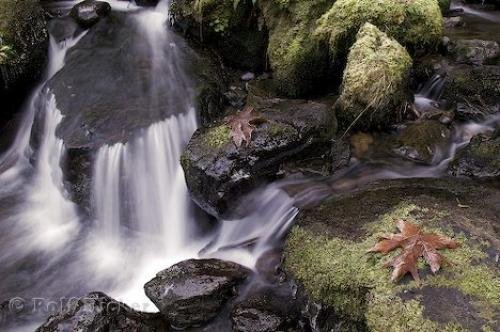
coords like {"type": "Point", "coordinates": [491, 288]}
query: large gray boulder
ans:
{"type": "Point", "coordinates": [192, 292]}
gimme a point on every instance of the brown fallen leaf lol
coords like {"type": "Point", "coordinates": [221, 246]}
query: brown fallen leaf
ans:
{"type": "Point", "coordinates": [242, 124]}
{"type": "Point", "coordinates": [415, 244]}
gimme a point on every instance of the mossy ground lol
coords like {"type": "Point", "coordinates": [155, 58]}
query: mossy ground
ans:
{"type": "Point", "coordinates": [374, 87]}
{"type": "Point", "coordinates": [335, 269]}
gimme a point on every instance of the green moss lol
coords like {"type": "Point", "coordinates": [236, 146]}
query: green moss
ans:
{"type": "Point", "coordinates": [339, 273]}
{"type": "Point", "coordinates": [424, 138]}
{"type": "Point", "coordinates": [217, 136]}
{"type": "Point", "coordinates": [415, 23]}
{"type": "Point", "coordinates": [374, 86]}
{"type": "Point", "coordinates": [299, 60]}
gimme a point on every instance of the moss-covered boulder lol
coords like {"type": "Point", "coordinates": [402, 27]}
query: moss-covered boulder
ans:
{"type": "Point", "coordinates": [232, 27]}
{"type": "Point", "coordinates": [327, 254]}
{"type": "Point", "coordinates": [23, 50]}
{"type": "Point", "coordinates": [218, 173]}
{"type": "Point", "coordinates": [422, 141]}
{"type": "Point", "coordinates": [299, 60]}
{"type": "Point", "coordinates": [417, 24]}
{"type": "Point", "coordinates": [375, 89]}
{"type": "Point", "coordinates": [481, 158]}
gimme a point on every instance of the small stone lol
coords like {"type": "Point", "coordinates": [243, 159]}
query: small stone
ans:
{"type": "Point", "coordinates": [248, 77]}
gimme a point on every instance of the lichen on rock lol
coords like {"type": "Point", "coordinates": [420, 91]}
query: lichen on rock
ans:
{"type": "Point", "coordinates": [375, 89]}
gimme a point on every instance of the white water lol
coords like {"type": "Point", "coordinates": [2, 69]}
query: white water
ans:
{"type": "Point", "coordinates": [143, 220]}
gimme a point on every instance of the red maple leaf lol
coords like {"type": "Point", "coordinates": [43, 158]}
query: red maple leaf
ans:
{"type": "Point", "coordinates": [414, 244]}
{"type": "Point", "coordinates": [242, 124]}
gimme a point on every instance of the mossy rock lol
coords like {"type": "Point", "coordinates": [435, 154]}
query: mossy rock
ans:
{"type": "Point", "coordinates": [218, 173]}
{"type": "Point", "coordinates": [326, 253]}
{"type": "Point", "coordinates": [421, 141]}
{"type": "Point", "coordinates": [475, 87]}
{"type": "Point", "coordinates": [417, 24]}
{"type": "Point", "coordinates": [481, 158]}
{"type": "Point", "coordinates": [375, 89]}
{"type": "Point", "coordinates": [23, 50]}
{"type": "Point", "coordinates": [299, 60]}
{"type": "Point", "coordinates": [231, 27]}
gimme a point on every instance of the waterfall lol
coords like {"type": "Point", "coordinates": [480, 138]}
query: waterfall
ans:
{"type": "Point", "coordinates": [427, 99]}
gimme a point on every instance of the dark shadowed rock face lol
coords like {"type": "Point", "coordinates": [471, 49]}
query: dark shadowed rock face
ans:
{"type": "Point", "coordinates": [109, 89]}
{"type": "Point", "coordinates": [192, 292]}
{"type": "Point", "coordinates": [89, 12]}
{"type": "Point", "coordinates": [268, 309]}
{"type": "Point", "coordinates": [98, 312]}
{"type": "Point", "coordinates": [218, 172]}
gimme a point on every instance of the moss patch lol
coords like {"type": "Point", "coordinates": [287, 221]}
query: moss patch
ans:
{"type": "Point", "coordinates": [374, 88]}
{"type": "Point", "coordinates": [414, 23]}
{"type": "Point", "coordinates": [338, 272]}
{"type": "Point", "coordinates": [299, 60]}
{"type": "Point", "coordinates": [217, 136]}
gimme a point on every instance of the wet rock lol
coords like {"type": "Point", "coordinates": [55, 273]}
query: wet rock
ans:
{"type": "Point", "coordinates": [453, 22]}
{"type": "Point", "coordinates": [63, 28]}
{"type": "Point", "coordinates": [101, 92]}
{"type": "Point", "coordinates": [472, 89]}
{"type": "Point", "coordinates": [192, 292]}
{"type": "Point", "coordinates": [232, 28]}
{"type": "Point", "coordinates": [375, 89]}
{"type": "Point", "coordinates": [89, 12]}
{"type": "Point", "coordinates": [98, 312]}
{"type": "Point", "coordinates": [326, 254]}
{"type": "Point", "coordinates": [481, 158]}
{"type": "Point", "coordinates": [23, 52]}
{"type": "Point", "coordinates": [270, 309]}
{"type": "Point", "coordinates": [218, 173]}
{"type": "Point", "coordinates": [422, 141]}
{"type": "Point", "coordinates": [474, 51]}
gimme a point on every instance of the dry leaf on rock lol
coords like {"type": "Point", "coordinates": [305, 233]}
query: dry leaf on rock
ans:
{"type": "Point", "coordinates": [414, 244]}
{"type": "Point", "coordinates": [242, 124]}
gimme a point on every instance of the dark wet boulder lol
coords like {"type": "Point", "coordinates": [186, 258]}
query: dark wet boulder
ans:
{"type": "Point", "coordinates": [268, 309]}
{"type": "Point", "coordinates": [98, 312]}
{"type": "Point", "coordinates": [192, 292]}
{"type": "Point", "coordinates": [481, 158]}
{"type": "Point", "coordinates": [218, 173]}
{"type": "Point", "coordinates": [23, 52]}
{"type": "Point", "coordinates": [89, 12]}
{"type": "Point", "coordinates": [232, 28]}
{"type": "Point", "coordinates": [375, 87]}
{"type": "Point", "coordinates": [326, 254]}
{"type": "Point", "coordinates": [422, 141]}
{"type": "Point", "coordinates": [474, 51]}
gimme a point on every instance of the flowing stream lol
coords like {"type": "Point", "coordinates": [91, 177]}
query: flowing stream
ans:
{"type": "Point", "coordinates": [142, 219]}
